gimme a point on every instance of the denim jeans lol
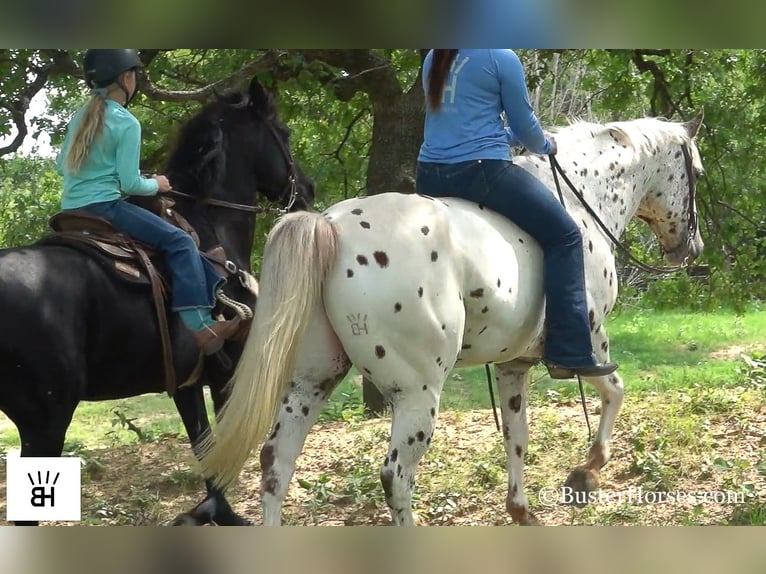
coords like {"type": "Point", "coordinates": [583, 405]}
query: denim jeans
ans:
{"type": "Point", "coordinates": [513, 192]}
{"type": "Point", "coordinates": [194, 279]}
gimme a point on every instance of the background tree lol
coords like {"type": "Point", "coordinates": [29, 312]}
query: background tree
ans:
{"type": "Point", "coordinates": [357, 118]}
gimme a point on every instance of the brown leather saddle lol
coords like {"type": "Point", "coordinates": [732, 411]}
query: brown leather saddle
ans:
{"type": "Point", "coordinates": [131, 260]}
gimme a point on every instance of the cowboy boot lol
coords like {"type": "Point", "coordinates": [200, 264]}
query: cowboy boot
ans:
{"type": "Point", "coordinates": [211, 339]}
{"type": "Point", "coordinates": [599, 370]}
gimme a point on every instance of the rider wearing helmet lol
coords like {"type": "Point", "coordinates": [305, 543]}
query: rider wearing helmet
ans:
{"type": "Point", "coordinates": [100, 164]}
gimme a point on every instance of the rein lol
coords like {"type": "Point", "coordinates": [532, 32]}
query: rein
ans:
{"type": "Point", "coordinates": [228, 204]}
{"type": "Point", "coordinates": [692, 226]}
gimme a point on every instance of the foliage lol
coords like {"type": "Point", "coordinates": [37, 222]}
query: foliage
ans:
{"type": "Point", "coordinates": [29, 195]}
{"type": "Point", "coordinates": [332, 127]}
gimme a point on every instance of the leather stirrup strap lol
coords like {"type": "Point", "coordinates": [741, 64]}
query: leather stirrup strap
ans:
{"type": "Point", "coordinates": [159, 303]}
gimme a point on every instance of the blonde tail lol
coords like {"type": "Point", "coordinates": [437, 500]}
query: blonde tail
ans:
{"type": "Point", "coordinates": [299, 253]}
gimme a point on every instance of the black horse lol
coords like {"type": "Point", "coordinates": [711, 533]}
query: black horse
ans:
{"type": "Point", "coordinates": [73, 332]}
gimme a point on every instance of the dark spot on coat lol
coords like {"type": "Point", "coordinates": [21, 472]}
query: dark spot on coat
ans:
{"type": "Point", "coordinates": [380, 352]}
{"type": "Point", "coordinates": [434, 256]}
{"type": "Point", "coordinates": [397, 307]}
{"type": "Point", "coordinates": [411, 440]}
{"type": "Point", "coordinates": [465, 346]}
{"type": "Point", "coordinates": [361, 259]}
{"type": "Point", "coordinates": [476, 293]}
{"type": "Point", "coordinates": [514, 403]}
{"type": "Point", "coordinates": [433, 412]}
{"type": "Point", "coordinates": [394, 454]}
{"type": "Point", "coordinates": [305, 411]}
{"type": "Point", "coordinates": [424, 230]}
{"type": "Point", "coordinates": [519, 451]}
{"type": "Point", "coordinates": [485, 309]}
{"type": "Point", "coordinates": [592, 318]}
{"type": "Point", "coordinates": [590, 246]}
{"type": "Point", "coordinates": [420, 291]}
{"type": "Point", "coordinates": [387, 481]}
{"type": "Point", "coordinates": [604, 346]}
{"type": "Point", "coordinates": [349, 273]}
{"type": "Point", "coordinates": [381, 258]}
{"type": "Point", "coordinates": [356, 211]}
{"type": "Point", "coordinates": [289, 409]}
{"type": "Point", "coordinates": [364, 224]}
{"type": "Point", "coordinates": [421, 436]}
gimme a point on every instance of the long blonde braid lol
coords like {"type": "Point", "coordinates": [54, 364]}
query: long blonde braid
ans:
{"type": "Point", "coordinates": [89, 128]}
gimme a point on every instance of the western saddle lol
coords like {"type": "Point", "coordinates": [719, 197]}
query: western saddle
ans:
{"type": "Point", "coordinates": [136, 262]}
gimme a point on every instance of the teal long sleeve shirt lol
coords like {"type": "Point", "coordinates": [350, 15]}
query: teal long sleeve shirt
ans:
{"type": "Point", "coordinates": [112, 166]}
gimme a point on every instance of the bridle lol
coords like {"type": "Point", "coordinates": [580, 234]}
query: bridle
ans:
{"type": "Point", "coordinates": [692, 213]}
{"type": "Point", "coordinates": [290, 189]}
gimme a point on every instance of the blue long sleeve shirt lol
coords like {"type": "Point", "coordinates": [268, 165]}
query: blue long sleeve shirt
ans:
{"type": "Point", "coordinates": [112, 166]}
{"type": "Point", "coordinates": [480, 85]}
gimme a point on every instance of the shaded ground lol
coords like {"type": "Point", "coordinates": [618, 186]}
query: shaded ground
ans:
{"type": "Point", "coordinates": [717, 444]}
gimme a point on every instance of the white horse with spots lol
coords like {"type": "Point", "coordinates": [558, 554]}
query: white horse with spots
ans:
{"type": "Point", "coordinates": [407, 287]}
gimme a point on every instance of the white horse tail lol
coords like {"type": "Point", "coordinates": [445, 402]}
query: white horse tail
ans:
{"type": "Point", "coordinates": [300, 251]}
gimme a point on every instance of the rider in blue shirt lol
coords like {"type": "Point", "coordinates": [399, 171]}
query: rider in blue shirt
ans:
{"type": "Point", "coordinates": [466, 153]}
{"type": "Point", "coordinates": [100, 164]}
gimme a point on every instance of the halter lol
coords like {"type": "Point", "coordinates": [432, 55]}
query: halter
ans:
{"type": "Point", "coordinates": [692, 212]}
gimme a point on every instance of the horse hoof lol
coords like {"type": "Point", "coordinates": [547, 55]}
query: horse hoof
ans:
{"type": "Point", "coordinates": [530, 520]}
{"type": "Point", "coordinates": [581, 481]}
{"type": "Point", "coordinates": [186, 520]}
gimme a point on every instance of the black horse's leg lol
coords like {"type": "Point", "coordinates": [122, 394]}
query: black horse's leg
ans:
{"type": "Point", "coordinates": [190, 403]}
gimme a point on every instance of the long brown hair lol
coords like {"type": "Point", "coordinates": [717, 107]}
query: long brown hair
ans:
{"type": "Point", "coordinates": [441, 61]}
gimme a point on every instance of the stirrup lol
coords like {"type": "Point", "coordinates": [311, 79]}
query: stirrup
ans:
{"type": "Point", "coordinates": [561, 372]}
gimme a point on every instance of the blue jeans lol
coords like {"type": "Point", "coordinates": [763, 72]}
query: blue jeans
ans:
{"type": "Point", "coordinates": [194, 279]}
{"type": "Point", "coordinates": [513, 192]}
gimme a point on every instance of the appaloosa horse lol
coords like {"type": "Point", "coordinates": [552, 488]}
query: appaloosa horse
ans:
{"type": "Point", "coordinates": [75, 331]}
{"type": "Point", "coordinates": [405, 287]}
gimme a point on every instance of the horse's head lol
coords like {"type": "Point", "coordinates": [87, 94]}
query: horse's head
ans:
{"type": "Point", "coordinates": [670, 207]}
{"type": "Point", "coordinates": [237, 147]}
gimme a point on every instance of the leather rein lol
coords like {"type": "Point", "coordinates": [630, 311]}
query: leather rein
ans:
{"type": "Point", "coordinates": [692, 212]}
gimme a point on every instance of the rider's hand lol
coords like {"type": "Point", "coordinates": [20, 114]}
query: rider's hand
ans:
{"type": "Point", "coordinates": [162, 183]}
{"type": "Point", "coordinates": [554, 147]}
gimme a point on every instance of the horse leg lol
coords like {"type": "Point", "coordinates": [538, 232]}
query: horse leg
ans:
{"type": "Point", "coordinates": [413, 421]}
{"type": "Point", "coordinates": [512, 381]}
{"type": "Point", "coordinates": [215, 509]}
{"type": "Point", "coordinates": [298, 412]}
{"type": "Point", "coordinates": [584, 478]}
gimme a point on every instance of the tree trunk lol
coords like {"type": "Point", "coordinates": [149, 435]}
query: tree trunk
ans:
{"type": "Point", "coordinates": [397, 133]}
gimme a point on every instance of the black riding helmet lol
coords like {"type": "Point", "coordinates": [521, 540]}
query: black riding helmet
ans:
{"type": "Point", "coordinates": [103, 67]}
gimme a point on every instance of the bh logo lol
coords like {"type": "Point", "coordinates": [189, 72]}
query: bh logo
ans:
{"type": "Point", "coordinates": [43, 488]}
{"type": "Point", "coordinates": [42, 492]}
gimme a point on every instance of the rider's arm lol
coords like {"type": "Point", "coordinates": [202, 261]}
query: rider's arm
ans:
{"type": "Point", "coordinates": [523, 124]}
{"type": "Point", "coordinates": [128, 156]}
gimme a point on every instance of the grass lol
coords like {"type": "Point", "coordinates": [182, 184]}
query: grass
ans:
{"type": "Point", "coordinates": [657, 352]}
{"type": "Point", "coordinates": [693, 418]}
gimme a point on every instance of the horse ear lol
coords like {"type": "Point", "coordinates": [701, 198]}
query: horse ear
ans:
{"type": "Point", "coordinates": [259, 98]}
{"type": "Point", "coordinates": [693, 126]}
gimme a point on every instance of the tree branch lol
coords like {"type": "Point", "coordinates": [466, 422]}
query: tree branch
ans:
{"type": "Point", "coordinates": [661, 88]}
{"type": "Point", "coordinates": [367, 72]}
{"type": "Point", "coordinates": [154, 92]}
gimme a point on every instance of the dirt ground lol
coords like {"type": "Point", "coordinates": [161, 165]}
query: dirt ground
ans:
{"type": "Point", "coordinates": [461, 481]}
